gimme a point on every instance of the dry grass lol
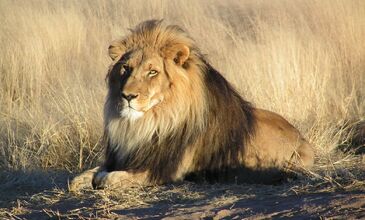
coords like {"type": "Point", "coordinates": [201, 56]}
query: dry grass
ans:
{"type": "Point", "coordinates": [302, 59]}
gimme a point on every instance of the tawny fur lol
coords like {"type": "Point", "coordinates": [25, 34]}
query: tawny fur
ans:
{"type": "Point", "coordinates": [185, 119]}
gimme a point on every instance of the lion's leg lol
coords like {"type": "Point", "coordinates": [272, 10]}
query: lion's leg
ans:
{"type": "Point", "coordinates": [84, 180]}
{"type": "Point", "coordinates": [303, 157]}
{"type": "Point", "coordinates": [117, 179]}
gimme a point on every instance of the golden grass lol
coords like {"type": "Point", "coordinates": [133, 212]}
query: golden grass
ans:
{"type": "Point", "coordinates": [302, 59]}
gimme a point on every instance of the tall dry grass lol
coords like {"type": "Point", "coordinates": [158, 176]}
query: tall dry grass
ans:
{"type": "Point", "coordinates": [302, 59]}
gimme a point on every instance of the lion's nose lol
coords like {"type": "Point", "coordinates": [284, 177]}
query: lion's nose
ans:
{"type": "Point", "coordinates": [129, 97]}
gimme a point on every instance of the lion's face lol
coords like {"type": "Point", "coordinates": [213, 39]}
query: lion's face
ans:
{"type": "Point", "coordinates": [148, 77]}
{"type": "Point", "coordinates": [145, 83]}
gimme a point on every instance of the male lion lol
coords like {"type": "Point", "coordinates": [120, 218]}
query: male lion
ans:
{"type": "Point", "coordinates": [169, 115]}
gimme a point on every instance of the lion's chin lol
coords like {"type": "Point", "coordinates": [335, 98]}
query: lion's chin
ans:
{"type": "Point", "coordinates": [131, 114]}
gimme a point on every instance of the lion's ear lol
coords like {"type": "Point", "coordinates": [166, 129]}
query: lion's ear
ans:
{"type": "Point", "coordinates": [179, 53]}
{"type": "Point", "coordinates": [116, 49]}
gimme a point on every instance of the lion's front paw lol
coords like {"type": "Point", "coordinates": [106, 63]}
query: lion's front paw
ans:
{"type": "Point", "coordinates": [83, 181]}
{"type": "Point", "coordinates": [98, 181]}
{"type": "Point", "coordinates": [115, 179]}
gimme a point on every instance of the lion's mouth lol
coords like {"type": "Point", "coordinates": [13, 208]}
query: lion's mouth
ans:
{"type": "Point", "coordinates": [133, 112]}
{"type": "Point", "coordinates": [129, 106]}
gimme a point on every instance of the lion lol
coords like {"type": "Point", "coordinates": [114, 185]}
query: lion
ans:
{"type": "Point", "coordinates": [169, 115]}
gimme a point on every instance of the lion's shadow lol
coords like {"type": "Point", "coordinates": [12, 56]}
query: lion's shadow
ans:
{"type": "Point", "coordinates": [237, 201]}
{"type": "Point", "coordinates": [221, 186]}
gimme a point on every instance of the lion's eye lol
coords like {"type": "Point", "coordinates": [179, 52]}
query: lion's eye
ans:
{"type": "Point", "coordinates": [126, 68]}
{"type": "Point", "coordinates": [152, 73]}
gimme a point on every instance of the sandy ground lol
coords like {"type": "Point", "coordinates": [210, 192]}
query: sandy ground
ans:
{"type": "Point", "coordinates": [44, 195]}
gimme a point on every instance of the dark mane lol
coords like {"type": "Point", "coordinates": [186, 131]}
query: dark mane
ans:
{"type": "Point", "coordinates": [234, 117]}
